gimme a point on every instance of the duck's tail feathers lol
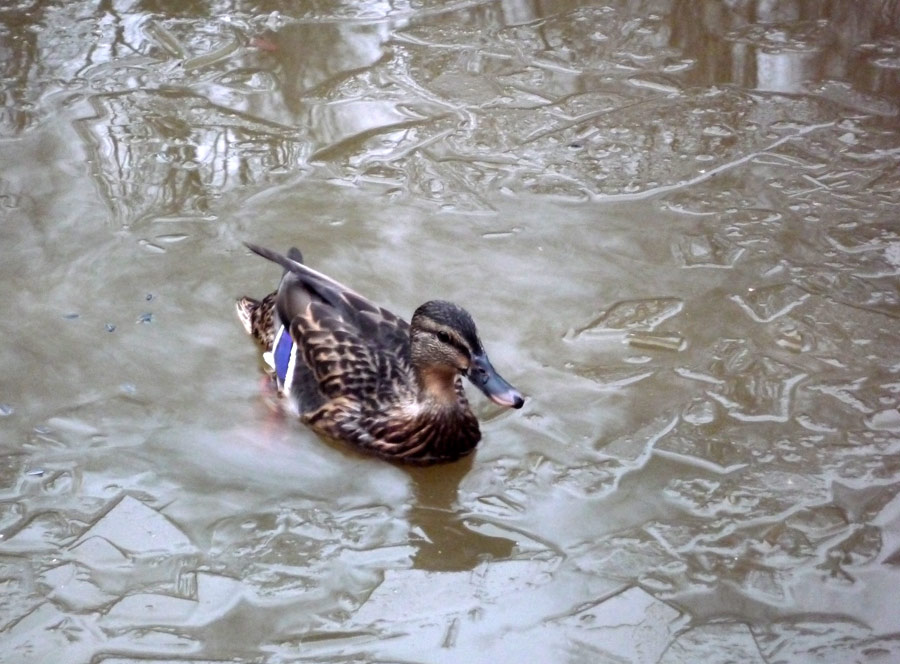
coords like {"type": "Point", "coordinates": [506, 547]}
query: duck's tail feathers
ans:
{"type": "Point", "coordinates": [245, 307]}
{"type": "Point", "coordinates": [258, 318]}
{"type": "Point", "coordinates": [291, 262]}
{"type": "Point", "coordinates": [322, 286]}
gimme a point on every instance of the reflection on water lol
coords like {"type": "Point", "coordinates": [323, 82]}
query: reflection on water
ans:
{"type": "Point", "coordinates": [154, 163]}
{"type": "Point", "coordinates": [675, 223]}
{"type": "Point", "coordinates": [789, 46]}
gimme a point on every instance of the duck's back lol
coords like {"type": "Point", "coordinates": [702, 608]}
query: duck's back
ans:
{"type": "Point", "coordinates": [361, 363]}
{"type": "Point", "coordinates": [327, 342]}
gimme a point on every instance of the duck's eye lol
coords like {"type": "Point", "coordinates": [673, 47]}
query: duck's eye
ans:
{"type": "Point", "coordinates": [443, 337]}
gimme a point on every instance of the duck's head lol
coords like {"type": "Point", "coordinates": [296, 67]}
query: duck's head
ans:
{"type": "Point", "coordinates": [444, 343]}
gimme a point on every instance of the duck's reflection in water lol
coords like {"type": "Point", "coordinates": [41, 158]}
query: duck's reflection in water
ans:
{"type": "Point", "coordinates": [444, 541]}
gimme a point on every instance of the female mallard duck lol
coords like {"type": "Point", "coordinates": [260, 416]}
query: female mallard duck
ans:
{"type": "Point", "coordinates": [358, 373]}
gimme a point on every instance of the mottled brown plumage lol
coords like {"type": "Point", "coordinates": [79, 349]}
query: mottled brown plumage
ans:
{"type": "Point", "coordinates": [358, 373]}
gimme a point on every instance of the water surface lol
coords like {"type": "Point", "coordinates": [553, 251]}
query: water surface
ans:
{"type": "Point", "coordinates": [675, 223]}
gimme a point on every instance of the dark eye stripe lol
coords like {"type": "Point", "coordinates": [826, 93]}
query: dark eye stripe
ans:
{"type": "Point", "coordinates": [450, 340]}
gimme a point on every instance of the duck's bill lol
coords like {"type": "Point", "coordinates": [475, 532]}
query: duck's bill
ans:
{"type": "Point", "coordinates": [485, 378]}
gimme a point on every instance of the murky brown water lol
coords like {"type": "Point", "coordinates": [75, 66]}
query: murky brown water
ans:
{"type": "Point", "coordinates": [676, 223]}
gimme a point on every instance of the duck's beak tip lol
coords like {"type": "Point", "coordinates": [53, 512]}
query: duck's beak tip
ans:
{"type": "Point", "coordinates": [509, 399]}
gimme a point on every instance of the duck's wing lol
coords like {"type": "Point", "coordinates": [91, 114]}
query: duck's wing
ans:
{"type": "Point", "coordinates": [354, 349]}
{"type": "Point", "coordinates": [302, 286]}
{"type": "Point", "coordinates": [349, 366]}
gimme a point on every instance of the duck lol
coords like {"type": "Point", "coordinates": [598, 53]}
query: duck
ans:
{"type": "Point", "coordinates": [355, 372]}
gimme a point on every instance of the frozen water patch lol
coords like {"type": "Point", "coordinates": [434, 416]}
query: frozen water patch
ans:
{"type": "Point", "coordinates": [632, 625]}
{"type": "Point", "coordinates": [884, 420]}
{"type": "Point", "coordinates": [635, 315]}
{"type": "Point", "coordinates": [71, 585]}
{"type": "Point", "coordinates": [892, 254]}
{"type": "Point", "coordinates": [764, 305]}
{"type": "Point", "coordinates": [136, 528]}
{"type": "Point", "coordinates": [708, 250]}
{"type": "Point", "coordinates": [717, 643]}
{"type": "Point", "coordinates": [755, 388]}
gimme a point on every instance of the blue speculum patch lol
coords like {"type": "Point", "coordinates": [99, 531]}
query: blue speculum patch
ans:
{"type": "Point", "coordinates": [282, 354]}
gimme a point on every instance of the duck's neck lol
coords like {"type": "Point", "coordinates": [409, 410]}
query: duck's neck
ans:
{"type": "Point", "coordinates": [437, 387]}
